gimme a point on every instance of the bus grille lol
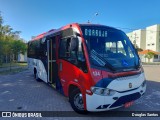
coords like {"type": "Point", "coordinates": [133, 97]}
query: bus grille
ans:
{"type": "Point", "coordinates": [124, 99]}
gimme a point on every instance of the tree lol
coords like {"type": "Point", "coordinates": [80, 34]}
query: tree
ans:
{"type": "Point", "coordinates": [9, 42]}
{"type": "Point", "coordinates": [18, 46]}
{"type": "Point", "coordinates": [1, 42]}
{"type": "Point", "coordinates": [6, 37]}
{"type": "Point", "coordinates": [149, 55]}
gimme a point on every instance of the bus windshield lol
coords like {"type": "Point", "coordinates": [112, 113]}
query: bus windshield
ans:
{"type": "Point", "coordinates": [109, 47]}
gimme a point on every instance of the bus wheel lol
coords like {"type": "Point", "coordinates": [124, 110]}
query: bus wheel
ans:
{"type": "Point", "coordinates": [76, 101]}
{"type": "Point", "coordinates": [36, 76]}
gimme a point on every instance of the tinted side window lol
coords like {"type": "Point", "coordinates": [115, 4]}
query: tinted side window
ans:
{"type": "Point", "coordinates": [43, 49]}
{"type": "Point", "coordinates": [63, 52]}
{"type": "Point", "coordinates": [68, 51]}
{"type": "Point", "coordinates": [33, 49]}
{"type": "Point", "coordinates": [71, 50]}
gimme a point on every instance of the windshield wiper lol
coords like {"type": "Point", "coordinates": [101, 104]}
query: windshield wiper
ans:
{"type": "Point", "coordinates": [100, 60]}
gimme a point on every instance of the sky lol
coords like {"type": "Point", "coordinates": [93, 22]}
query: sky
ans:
{"type": "Point", "coordinates": [33, 17]}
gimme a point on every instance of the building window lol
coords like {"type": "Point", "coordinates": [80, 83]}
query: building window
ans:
{"type": "Point", "coordinates": [155, 56]}
{"type": "Point", "coordinates": [148, 44]}
{"type": "Point", "coordinates": [153, 44]}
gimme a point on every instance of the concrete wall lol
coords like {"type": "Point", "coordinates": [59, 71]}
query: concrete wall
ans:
{"type": "Point", "coordinates": [22, 58]}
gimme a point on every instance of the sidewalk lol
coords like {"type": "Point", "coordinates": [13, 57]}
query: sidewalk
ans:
{"type": "Point", "coordinates": [152, 72]}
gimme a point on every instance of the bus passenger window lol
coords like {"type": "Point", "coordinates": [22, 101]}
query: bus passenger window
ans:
{"type": "Point", "coordinates": [68, 44]}
{"type": "Point", "coordinates": [71, 50]}
{"type": "Point", "coordinates": [67, 50]}
{"type": "Point", "coordinates": [62, 49]}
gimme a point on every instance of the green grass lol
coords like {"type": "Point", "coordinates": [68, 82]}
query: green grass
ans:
{"type": "Point", "coordinates": [4, 65]}
{"type": "Point", "coordinates": [15, 68]}
{"type": "Point", "coordinates": [12, 71]}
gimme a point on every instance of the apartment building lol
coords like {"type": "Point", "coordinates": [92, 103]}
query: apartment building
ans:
{"type": "Point", "coordinates": [153, 38]}
{"type": "Point", "coordinates": [138, 38]}
{"type": "Point", "coordinates": [147, 39]}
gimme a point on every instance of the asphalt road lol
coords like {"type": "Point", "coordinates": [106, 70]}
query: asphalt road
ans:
{"type": "Point", "coordinates": [20, 92]}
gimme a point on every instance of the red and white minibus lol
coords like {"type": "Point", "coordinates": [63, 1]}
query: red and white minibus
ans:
{"type": "Point", "coordinates": [95, 66]}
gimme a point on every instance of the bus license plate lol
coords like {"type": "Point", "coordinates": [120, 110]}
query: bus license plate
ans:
{"type": "Point", "coordinates": [128, 104]}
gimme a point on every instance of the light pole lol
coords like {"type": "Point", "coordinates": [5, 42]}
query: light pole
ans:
{"type": "Point", "coordinates": [134, 36]}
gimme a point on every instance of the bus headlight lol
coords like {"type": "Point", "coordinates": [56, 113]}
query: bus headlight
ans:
{"type": "Point", "coordinates": [97, 90]}
{"type": "Point", "coordinates": [103, 91]}
{"type": "Point", "coordinates": [109, 92]}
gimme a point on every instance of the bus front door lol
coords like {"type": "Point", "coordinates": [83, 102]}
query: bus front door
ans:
{"type": "Point", "coordinates": [52, 66]}
{"type": "Point", "coordinates": [53, 77]}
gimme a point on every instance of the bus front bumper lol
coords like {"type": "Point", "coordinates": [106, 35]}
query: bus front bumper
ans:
{"type": "Point", "coordinates": [96, 102]}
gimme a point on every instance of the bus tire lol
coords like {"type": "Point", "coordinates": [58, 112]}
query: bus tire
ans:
{"type": "Point", "coordinates": [76, 101]}
{"type": "Point", "coordinates": [36, 76]}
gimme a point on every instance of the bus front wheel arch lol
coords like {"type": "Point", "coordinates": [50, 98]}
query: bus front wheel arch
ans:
{"type": "Point", "coordinates": [76, 99]}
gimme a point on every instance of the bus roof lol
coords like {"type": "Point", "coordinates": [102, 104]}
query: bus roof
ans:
{"type": "Point", "coordinates": [52, 31]}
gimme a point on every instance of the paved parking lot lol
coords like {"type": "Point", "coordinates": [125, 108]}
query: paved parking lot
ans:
{"type": "Point", "coordinates": [20, 92]}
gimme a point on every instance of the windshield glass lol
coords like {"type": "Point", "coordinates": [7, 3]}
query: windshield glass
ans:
{"type": "Point", "coordinates": [109, 47]}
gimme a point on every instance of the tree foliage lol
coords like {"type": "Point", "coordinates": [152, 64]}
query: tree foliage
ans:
{"type": "Point", "coordinates": [10, 43]}
{"type": "Point", "coordinates": [17, 47]}
{"type": "Point", "coordinates": [149, 55]}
